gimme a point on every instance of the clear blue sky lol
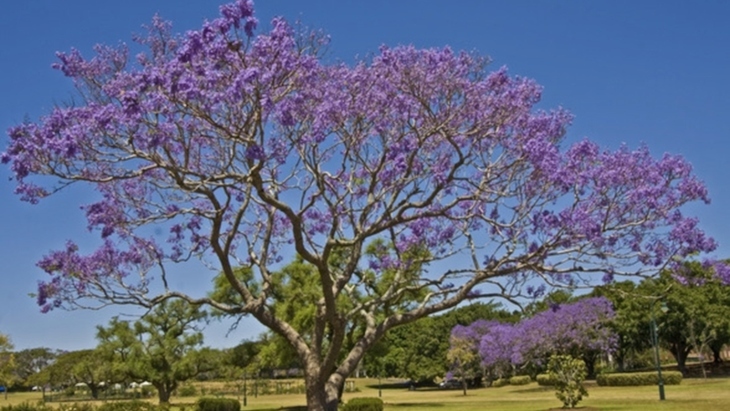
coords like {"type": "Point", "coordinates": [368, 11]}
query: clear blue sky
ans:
{"type": "Point", "coordinates": [655, 72]}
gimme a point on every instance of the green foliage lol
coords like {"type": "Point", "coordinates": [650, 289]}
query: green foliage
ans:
{"type": "Point", "coordinates": [698, 315]}
{"type": "Point", "coordinates": [560, 296]}
{"type": "Point", "coordinates": [568, 374]}
{"type": "Point", "coordinates": [187, 390]}
{"type": "Point", "coordinates": [419, 350]}
{"type": "Point", "coordinates": [107, 406]}
{"type": "Point", "coordinates": [638, 378]}
{"type": "Point", "coordinates": [464, 358]}
{"type": "Point", "coordinates": [520, 380]}
{"type": "Point", "coordinates": [30, 362]}
{"type": "Point", "coordinates": [128, 406]}
{"type": "Point", "coordinates": [364, 404]}
{"type": "Point", "coordinates": [500, 382]}
{"type": "Point", "coordinates": [26, 406]}
{"type": "Point", "coordinates": [159, 348]}
{"type": "Point", "coordinates": [77, 407]}
{"type": "Point", "coordinates": [545, 380]}
{"type": "Point", "coordinates": [85, 366]}
{"type": "Point", "coordinates": [218, 404]}
{"type": "Point", "coordinates": [7, 362]}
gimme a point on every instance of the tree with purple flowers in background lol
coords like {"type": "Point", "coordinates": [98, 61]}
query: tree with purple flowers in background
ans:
{"type": "Point", "coordinates": [579, 329]}
{"type": "Point", "coordinates": [243, 150]}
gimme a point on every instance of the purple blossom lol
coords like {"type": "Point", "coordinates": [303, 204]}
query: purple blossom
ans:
{"type": "Point", "coordinates": [564, 329]}
{"type": "Point", "coordinates": [252, 144]}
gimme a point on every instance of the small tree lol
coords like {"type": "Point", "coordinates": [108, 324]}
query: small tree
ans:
{"type": "Point", "coordinates": [88, 367]}
{"type": "Point", "coordinates": [463, 357]}
{"type": "Point", "coordinates": [7, 362]}
{"type": "Point", "coordinates": [159, 348]}
{"type": "Point", "coordinates": [568, 374]}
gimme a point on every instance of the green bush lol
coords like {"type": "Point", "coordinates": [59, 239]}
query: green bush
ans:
{"type": "Point", "coordinates": [364, 404]}
{"type": "Point", "coordinates": [520, 380]}
{"type": "Point", "coordinates": [638, 378]}
{"type": "Point", "coordinates": [218, 404]}
{"type": "Point", "coordinates": [187, 391]}
{"type": "Point", "coordinates": [147, 390]}
{"type": "Point", "coordinates": [568, 373]}
{"type": "Point", "coordinates": [544, 380]}
{"type": "Point", "coordinates": [85, 406]}
{"type": "Point", "coordinates": [133, 405]}
{"type": "Point", "coordinates": [500, 382]}
{"type": "Point", "coordinates": [26, 406]}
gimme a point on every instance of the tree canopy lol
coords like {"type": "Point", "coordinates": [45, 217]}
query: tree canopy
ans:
{"type": "Point", "coordinates": [697, 313]}
{"type": "Point", "coordinates": [247, 149]}
{"type": "Point", "coordinates": [162, 347]}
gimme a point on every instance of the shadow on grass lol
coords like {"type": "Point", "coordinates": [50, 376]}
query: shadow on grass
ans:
{"type": "Point", "coordinates": [534, 390]}
{"type": "Point", "coordinates": [404, 385]}
{"type": "Point", "coordinates": [417, 405]}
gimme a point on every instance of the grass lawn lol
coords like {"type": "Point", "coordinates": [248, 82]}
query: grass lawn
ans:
{"type": "Point", "coordinates": [692, 394]}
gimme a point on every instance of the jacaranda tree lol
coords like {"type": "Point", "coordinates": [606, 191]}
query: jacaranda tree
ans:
{"type": "Point", "coordinates": [245, 150]}
{"type": "Point", "coordinates": [579, 329]}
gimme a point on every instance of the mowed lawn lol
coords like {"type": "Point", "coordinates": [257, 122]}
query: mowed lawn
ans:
{"type": "Point", "coordinates": [692, 395]}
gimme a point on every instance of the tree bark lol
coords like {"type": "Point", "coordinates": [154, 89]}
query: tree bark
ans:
{"type": "Point", "coordinates": [163, 392]}
{"type": "Point", "coordinates": [680, 351]}
{"type": "Point", "coordinates": [321, 396]}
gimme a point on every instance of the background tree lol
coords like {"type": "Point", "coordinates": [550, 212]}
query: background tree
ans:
{"type": "Point", "coordinates": [89, 367]}
{"type": "Point", "coordinates": [418, 351]}
{"type": "Point", "coordinates": [161, 347]}
{"type": "Point", "coordinates": [463, 355]}
{"type": "Point", "coordinates": [247, 149]}
{"type": "Point", "coordinates": [32, 361]}
{"type": "Point", "coordinates": [696, 318]}
{"type": "Point", "coordinates": [578, 329]}
{"type": "Point", "coordinates": [631, 324]}
{"type": "Point", "coordinates": [697, 313]}
{"type": "Point", "coordinates": [7, 363]}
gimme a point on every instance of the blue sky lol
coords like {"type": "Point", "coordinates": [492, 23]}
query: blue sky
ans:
{"type": "Point", "coordinates": [653, 72]}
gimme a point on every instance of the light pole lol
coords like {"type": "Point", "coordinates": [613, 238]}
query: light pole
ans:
{"type": "Point", "coordinates": [245, 399]}
{"type": "Point", "coordinates": [655, 340]}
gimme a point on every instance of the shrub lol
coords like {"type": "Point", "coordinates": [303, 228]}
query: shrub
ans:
{"type": "Point", "coordinates": [187, 391]}
{"type": "Point", "coordinates": [76, 407]}
{"type": "Point", "coordinates": [127, 406]}
{"type": "Point", "coordinates": [500, 382]}
{"type": "Point", "coordinates": [218, 404]}
{"type": "Point", "coordinates": [544, 380]}
{"type": "Point", "coordinates": [638, 378]}
{"type": "Point", "coordinates": [520, 380]}
{"type": "Point", "coordinates": [26, 406]}
{"type": "Point", "coordinates": [364, 404]}
{"type": "Point", "coordinates": [568, 374]}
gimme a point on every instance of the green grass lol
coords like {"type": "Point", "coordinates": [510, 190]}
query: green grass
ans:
{"type": "Point", "coordinates": [692, 394]}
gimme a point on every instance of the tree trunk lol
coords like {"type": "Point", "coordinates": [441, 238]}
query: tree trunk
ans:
{"type": "Point", "coordinates": [163, 396]}
{"type": "Point", "coordinates": [94, 391]}
{"type": "Point", "coordinates": [321, 396]}
{"type": "Point", "coordinates": [680, 351]}
{"type": "Point", "coordinates": [164, 391]}
{"type": "Point", "coordinates": [716, 356]}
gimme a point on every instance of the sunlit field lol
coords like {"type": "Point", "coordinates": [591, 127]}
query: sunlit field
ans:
{"type": "Point", "coordinates": [693, 394]}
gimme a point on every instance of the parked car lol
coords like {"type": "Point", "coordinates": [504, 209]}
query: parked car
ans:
{"type": "Point", "coordinates": [2, 388]}
{"type": "Point", "coordinates": [450, 384]}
